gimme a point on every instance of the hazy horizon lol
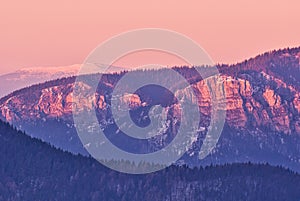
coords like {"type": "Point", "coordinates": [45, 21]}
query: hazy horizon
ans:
{"type": "Point", "coordinates": [130, 59]}
{"type": "Point", "coordinates": [59, 33]}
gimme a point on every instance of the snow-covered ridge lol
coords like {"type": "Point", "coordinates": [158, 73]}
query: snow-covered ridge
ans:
{"type": "Point", "coordinates": [25, 77]}
{"type": "Point", "coordinates": [72, 69]}
{"type": "Point", "coordinates": [69, 70]}
{"type": "Point", "coordinates": [43, 72]}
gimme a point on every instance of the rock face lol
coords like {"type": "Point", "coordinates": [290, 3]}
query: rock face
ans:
{"type": "Point", "coordinates": [258, 100]}
{"type": "Point", "coordinates": [254, 105]}
{"type": "Point", "coordinates": [246, 104]}
{"type": "Point", "coordinates": [52, 102]}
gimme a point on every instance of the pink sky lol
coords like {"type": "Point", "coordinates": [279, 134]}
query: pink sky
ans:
{"type": "Point", "coordinates": [64, 32]}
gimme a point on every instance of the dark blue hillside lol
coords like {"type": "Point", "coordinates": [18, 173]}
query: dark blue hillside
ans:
{"type": "Point", "coordinates": [33, 170]}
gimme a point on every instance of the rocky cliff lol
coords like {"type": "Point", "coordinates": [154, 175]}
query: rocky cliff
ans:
{"type": "Point", "coordinates": [260, 101]}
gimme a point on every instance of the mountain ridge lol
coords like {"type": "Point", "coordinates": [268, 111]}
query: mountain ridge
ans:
{"type": "Point", "coordinates": [262, 111]}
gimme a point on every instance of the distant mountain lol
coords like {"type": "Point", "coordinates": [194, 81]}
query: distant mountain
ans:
{"type": "Point", "coordinates": [33, 170]}
{"type": "Point", "coordinates": [262, 104]}
{"type": "Point", "coordinates": [29, 76]}
{"type": "Point", "coordinates": [33, 75]}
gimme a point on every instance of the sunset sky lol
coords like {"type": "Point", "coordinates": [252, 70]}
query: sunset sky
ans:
{"type": "Point", "coordinates": [64, 32]}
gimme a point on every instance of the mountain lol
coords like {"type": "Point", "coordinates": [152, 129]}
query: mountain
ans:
{"type": "Point", "coordinates": [33, 75]}
{"type": "Point", "coordinates": [29, 76]}
{"type": "Point", "coordinates": [33, 170]}
{"type": "Point", "coordinates": [262, 106]}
